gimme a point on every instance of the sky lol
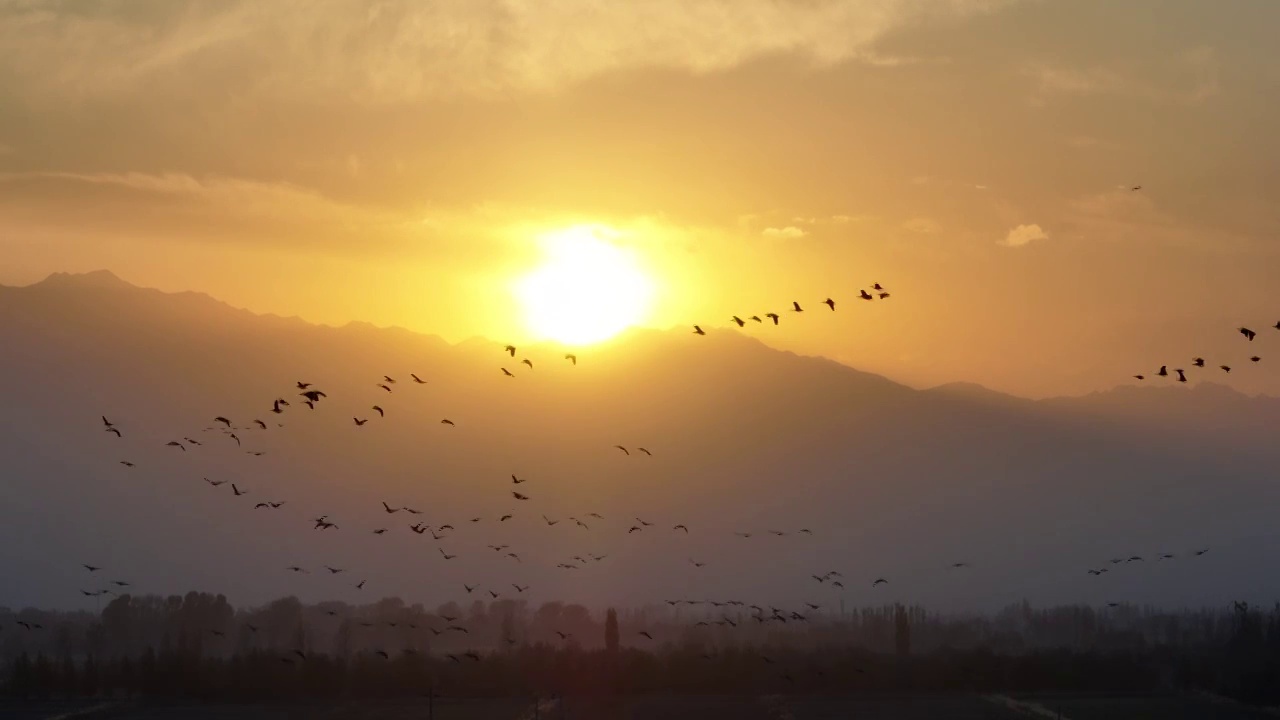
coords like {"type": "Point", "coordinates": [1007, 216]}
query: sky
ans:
{"type": "Point", "coordinates": [396, 162]}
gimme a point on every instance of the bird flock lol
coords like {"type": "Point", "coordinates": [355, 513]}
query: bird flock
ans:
{"type": "Point", "coordinates": [1199, 362]}
{"type": "Point", "coordinates": [403, 518]}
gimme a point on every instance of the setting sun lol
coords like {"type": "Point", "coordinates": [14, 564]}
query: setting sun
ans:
{"type": "Point", "coordinates": [586, 290]}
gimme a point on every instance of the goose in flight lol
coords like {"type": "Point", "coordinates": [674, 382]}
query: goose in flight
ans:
{"type": "Point", "coordinates": [564, 636]}
{"type": "Point", "coordinates": [446, 421]}
{"type": "Point", "coordinates": [108, 423]}
{"type": "Point", "coordinates": [865, 295]}
{"type": "Point", "coordinates": [417, 379]}
{"type": "Point", "coordinates": [390, 509]}
{"type": "Point", "coordinates": [1182, 377]}
{"type": "Point", "coordinates": [772, 316]}
{"type": "Point", "coordinates": [830, 303]}
{"type": "Point", "coordinates": [549, 521]}
{"type": "Point", "coordinates": [412, 511]}
{"type": "Point", "coordinates": [1135, 188]}
{"type": "Point", "coordinates": [516, 481]}
{"type": "Point", "coordinates": [238, 491]}
{"type": "Point", "coordinates": [960, 565]}
{"type": "Point", "coordinates": [469, 588]}
{"type": "Point", "coordinates": [695, 563]}
{"type": "Point", "coordinates": [276, 406]}
{"type": "Point", "coordinates": [507, 372]}
{"type": "Point", "coordinates": [359, 422]}
{"type": "Point", "coordinates": [114, 430]}
{"type": "Point", "coordinates": [882, 295]}
{"type": "Point", "coordinates": [296, 569]}
{"type": "Point", "coordinates": [518, 588]}
{"type": "Point", "coordinates": [1225, 368]}
{"type": "Point", "coordinates": [385, 386]}
{"type": "Point", "coordinates": [518, 496]}
{"type": "Point", "coordinates": [91, 568]}
{"type": "Point", "coordinates": [126, 463]}
{"type": "Point", "coordinates": [645, 451]}
{"type": "Point", "coordinates": [1198, 553]}
{"type": "Point", "coordinates": [313, 395]}
{"type": "Point", "coordinates": [795, 307]}
{"type": "Point", "coordinates": [175, 443]}
{"type": "Point", "coordinates": [215, 483]}
{"type": "Point", "coordinates": [303, 385]}
{"type": "Point", "coordinates": [879, 581]}
{"type": "Point", "coordinates": [380, 411]}
{"type": "Point", "coordinates": [1163, 372]}
{"type": "Point", "coordinates": [511, 349]}
{"type": "Point", "coordinates": [1249, 334]}
{"type": "Point", "coordinates": [360, 585]}
{"type": "Point", "coordinates": [505, 518]}
{"type": "Point", "coordinates": [681, 527]}
{"type": "Point", "coordinates": [1198, 362]}
{"type": "Point", "coordinates": [333, 570]}
{"type": "Point", "coordinates": [528, 362]}
{"type": "Point", "coordinates": [738, 320]}
{"type": "Point", "coordinates": [388, 379]}
{"type": "Point", "coordinates": [379, 531]}
{"type": "Point", "coordinates": [1140, 377]}
{"type": "Point", "coordinates": [644, 633]}
{"type": "Point", "coordinates": [1255, 358]}
{"type": "Point", "coordinates": [222, 420]}
{"type": "Point", "coordinates": [571, 358]}
{"type": "Point", "coordinates": [623, 449]}
{"type": "Point", "coordinates": [697, 330]}
{"type": "Point", "coordinates": [446, 555]}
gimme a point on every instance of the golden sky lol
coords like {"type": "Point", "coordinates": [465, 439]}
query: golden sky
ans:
{"type": "Point", "coordinates": [395, 162]}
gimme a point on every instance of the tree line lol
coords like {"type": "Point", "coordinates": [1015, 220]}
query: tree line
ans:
{"type": "Point", "coordinates": [198, 646]}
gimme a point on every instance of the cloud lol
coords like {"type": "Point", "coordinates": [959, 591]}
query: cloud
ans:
{"type": "Point", "coordinates": [924, 226]}
{"type": "Point", "coordinates": [1022, 235]}
{"type": "Point", "coordinates": [790, 232]}
{"type": "Point", "coordinates": [401, 50]}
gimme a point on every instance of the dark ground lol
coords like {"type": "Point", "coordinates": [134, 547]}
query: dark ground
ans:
{"type": "Point", "coordinates": [924, 707]}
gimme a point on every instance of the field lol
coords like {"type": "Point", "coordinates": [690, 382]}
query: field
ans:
{"type": "Point", "coordinates": [923, 707]}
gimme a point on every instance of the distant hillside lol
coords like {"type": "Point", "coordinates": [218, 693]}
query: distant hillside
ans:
{"type": "Point", "coordinates": [891, 481]}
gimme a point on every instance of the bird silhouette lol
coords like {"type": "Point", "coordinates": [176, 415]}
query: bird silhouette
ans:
{"type": "Point", "coordinates": [313, 395]}
{"type": "Point", "coordinates": [645, 451]}
{"type": "Point", "coordinates": [126, 463]}
{"type": "Point", "coordinates": [879, 581]}
{"type": "Point", "coordinates": [795, 307]}
{"type": "Point", "coordinates": [1182, 377]}
{"type": "Point", "coordinates": [830, 303]}
{"type": "Point", "coordinates": [417, 379]}
{"type": "Point", "coordinates": [623, 449]}
{"type": "Point", "coordinates": [446, 555]}
{"type": "Point", "coordinates": [528, 362]}
{"type": "Point", "coordinates": [238, 491]}
{"type": "Point", "coordinates": [518, 496]}
{"type": "Point", "coordinates": [333, 570]}
{"type": "Point", "coordinates": [1255, 358]}
{"type": "Point", "coordinates": [516, 481]}
{"type": "Point", "coordinates": [359, 422]}
{"type": "Point", "coordinates": [390, 509]}
{"type": "Point", "coordinates": [175, 443]}
{"type": "Point", "coordinates": [379, 409]}
{"type": "Point", "coordinates": [1163, 372]}
{"type": "Point", "coordinates": [1140, 377]}
{"type": "Point", "coordinates": [571, 358]}
{"type": "Point", "coordinates": [114, 430]}
{"type": "Point", "coordinates": [1225, 368]}
{"type": "Point", "coordinates": [384, 386]}
{"type": "Point", "coordinates": [865, 295]}
{"type": "Point", "coordinates": [697, 330]}
{"type": "Point", "coordinates": [738, 320]}
{"type": "Point", "coordinates": [681, 527]}
{"type": "Point", "coordinates": [446, 421]}
{"type": "Point", "coordinates": [222, 420]}
{"type": "Point", "coordinates": [507, 372]}
{"type": "Point", "coordinates": [1249, 334]}
{"type": "Point", "coordinates": [644, 633]}
{"type": "Point", "coordinates": [772, 316]}
{"type": "Point", "coordinates": [511, 349]}
{"type": "Point", "coordinates": [1198, 362]}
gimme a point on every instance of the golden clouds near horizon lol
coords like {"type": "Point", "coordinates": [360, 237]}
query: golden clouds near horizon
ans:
{"type": "Point", "coordinates": [587, 288]}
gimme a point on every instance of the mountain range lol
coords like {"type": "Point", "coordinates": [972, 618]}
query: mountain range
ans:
{"type": "Point", "coordinates": [889, 481]}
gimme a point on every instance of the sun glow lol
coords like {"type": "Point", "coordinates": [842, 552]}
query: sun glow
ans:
{"type": "Point", "coordinates": [587, 290]}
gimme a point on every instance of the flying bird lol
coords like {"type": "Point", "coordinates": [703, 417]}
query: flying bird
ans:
{"type": "Point", "coordinates": [1225, 368]}
{"type": "Point", "coordinates": [91, 568]}
{"type": "Point", "coordinates": [795, 307]}
{"type": "Point", "coordinates": [1255, 358]}
{"type": "Point", "coordinates": [865, 295]}
{"type": "Point", "coordinates": [528, 362]}
{"type": "Point", "coordinates": [697, 330]}
{"type": "Point", "coordinates": [571, 358]}
{"type": "Point", "coordinates": [830, 303]}
{"type": "Point", "coordinates": [738, 320]}
{"type": "Point", "coordinates": [1163, 372]}
{"type": "Point", "coordinates": [1198, 362]}
{"type": "Point", "coordinates": [359, 422]}
{"type": "Point", "coordinates": [222, 420]}
{"type": "Point", "coordinates": [518, 496]}
{"type": "Point", "coordinates": [516, 481]}
{"type": "Point", "coordinates": [237, 490]}
{"type": "Point", "coordinates": [384, 386]}
{"type": "Point", "coordinates": [773, 317]}
{"type": "Point", "coordinates": [390, 509]}
{"type": "Point", "coordinates": [417, 379]}
{"type": "Point", "coordinates": [511, 349]}
{"type": "Point", "coordinates": [114, 430]}
{"type": "Point", "coordinates": [446, 421]}
{"type": "Point", "coordinates": [175, 443]}
{"type": "Point", "coordinates": [624, 450]}
{"type": "Point", "coordinates": [1249, 334]}
{"type": "Point", "coordinates": [313, 395]}
{"type": "Point", "coordinates": [1181, 375]}
{"type": "Point", "coordinates": [379, 409]}
{"type": "Point", "coordinates": [879, 581]}
{"type": "Point", "coordinates": [126, 463]}
{"type": "Point", "coordinates": [681, 527]}
{"type": "Point", "coordinates": [507, 372]}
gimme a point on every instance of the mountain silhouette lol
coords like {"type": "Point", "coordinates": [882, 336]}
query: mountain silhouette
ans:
{"type": "Point", "coordinates": [893, 481]}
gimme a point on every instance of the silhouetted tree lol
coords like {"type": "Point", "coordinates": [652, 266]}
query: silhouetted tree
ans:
{"type": "Point", "coordinates": [611, 630]}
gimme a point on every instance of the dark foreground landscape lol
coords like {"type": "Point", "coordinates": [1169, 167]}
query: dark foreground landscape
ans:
{"type": "Point", "coordinates": [663, 707]}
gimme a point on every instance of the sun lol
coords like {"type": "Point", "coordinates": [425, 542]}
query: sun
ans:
{"type": "Point", "coordinates": [587, 289]}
